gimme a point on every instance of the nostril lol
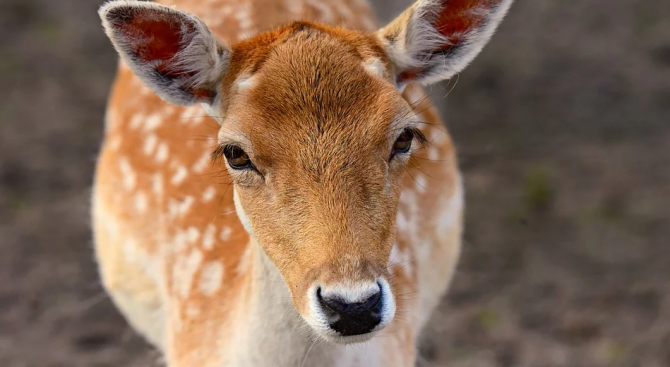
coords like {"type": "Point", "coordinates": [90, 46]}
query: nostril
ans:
{"type": "Point", "coordinates": [347, 308]}
{"type": "Point", "coordinates": [374, 300]}
{"type": "Point", "coordinates": [351, 308]}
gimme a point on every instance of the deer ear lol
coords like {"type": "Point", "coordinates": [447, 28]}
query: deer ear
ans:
{"type": "Point", "coordinates": [435, 39]}
{"type": "Point", "coordinates": [173, 52]}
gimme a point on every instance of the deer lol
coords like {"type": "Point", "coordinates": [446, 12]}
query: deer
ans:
{"type": "Point", "coordinates": [274, 188]}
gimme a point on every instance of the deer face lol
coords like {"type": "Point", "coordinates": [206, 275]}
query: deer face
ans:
{"type": "Point", "coordinates": [314, 134]}
{"type": "Point", "coordinates": [317, 142]}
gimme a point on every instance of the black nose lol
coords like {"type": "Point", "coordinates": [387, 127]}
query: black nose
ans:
{"type": "Point", "coordinates": [352, 318]}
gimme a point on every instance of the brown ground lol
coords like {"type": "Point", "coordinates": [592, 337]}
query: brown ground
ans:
{"type": "Point", "coordinates": [563, 126]}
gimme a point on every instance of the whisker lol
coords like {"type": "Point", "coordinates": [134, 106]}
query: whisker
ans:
{"type": "Point", "coordinates": [458, 77]}
{"type": "Point", "coordinates": [414, 179]}
{"type": "Point", "coordinates": [307, 354]}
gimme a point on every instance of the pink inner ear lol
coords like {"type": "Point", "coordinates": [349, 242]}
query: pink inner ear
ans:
{"type": "Point", "coordinates": [159, 38]}
{"type": "Point", "coordinates": [460, 16]}
{"type": "Point", "coordinates": [456, 19]}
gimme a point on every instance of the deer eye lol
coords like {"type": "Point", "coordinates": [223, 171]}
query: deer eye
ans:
{"type": "Point", "coordinates": [237, 158]}
{"type": "Point", "coordinates": [403, 144]}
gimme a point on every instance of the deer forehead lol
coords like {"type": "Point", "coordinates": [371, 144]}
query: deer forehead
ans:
{"type": "Point", "coordinates": [314, 89]}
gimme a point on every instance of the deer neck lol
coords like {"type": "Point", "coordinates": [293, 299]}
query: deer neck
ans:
{"type": "Point", "coordinates": [269, 330]}
{"type": "Point", "coordinates": [271, 333]}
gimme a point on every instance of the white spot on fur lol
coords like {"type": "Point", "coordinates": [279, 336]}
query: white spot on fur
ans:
{"type": "Point", "coordinates": [179, 176]}
{"type": "Point", "coordinates": [202, 163]}
{"type": "Point", "coordinates": [180, 242]}
{"type": "Point", "coordinates": [192, 234]}
{"type": "Point", "coordinates": [192, 115]}
{"type": "Point", "coordinates": [162, 153]}
{"type": "Point", "coordinates": [169, 110]}
{"type": "Point", "coordinates": [186, 205]}
{"type": "Point", "coordinates": [209, 194]}
{"type": "Point", "coordinates": [153, 122]}
{"type": "Point", "coordinates": [374, 67]}
{"type": "Point", "coordinates": [209, 238]}
{"type": "Point", "coordinates": [225, 233]}
{"type": "Point", "coordinates": [453, 210]}
{"type": "Point", "coordinates": [183, 272]}
{"type": "Point", "coordinates": [150, 144]}
{"type": "Point", "coordinates": [211, 278]}
{"type": "Point", "coordinates": [157, 184]}
{"type": "Point", "coordinates": [136, 121]}
{"type": "Point", "coordinates": [129, 176]}
{"type": "Point", "coordinates": [179, 208]}
{"type": "Point", "coordinates": [173, 208]}
{"type": "Point", "coordinates": [188, 113]}
{"type": "Point", "coordinates": [115, 142]}
{"type": "Point", "coordinates": [141, 202]}
{"type": "Point", "coordinates": [421, 183]}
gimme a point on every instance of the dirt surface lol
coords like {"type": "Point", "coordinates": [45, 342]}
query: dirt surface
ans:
{"type": "Point", "coordinates": [563, 127]}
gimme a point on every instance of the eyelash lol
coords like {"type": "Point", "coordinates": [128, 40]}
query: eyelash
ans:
{"type": "Point", "coordinates": [217, 155]}
{"type": "Point", "coordinates": [418, 140]}
{"type": "Point", "coordinates": [419, 136]}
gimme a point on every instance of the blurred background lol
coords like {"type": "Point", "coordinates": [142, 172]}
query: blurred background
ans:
{"type": "Point", "coordinates": [563, 128]}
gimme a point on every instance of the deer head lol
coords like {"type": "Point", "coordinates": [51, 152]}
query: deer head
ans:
{"type": "Point", "coordinates": [314, 133]}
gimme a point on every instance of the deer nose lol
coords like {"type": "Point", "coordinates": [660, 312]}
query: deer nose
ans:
{"type": "Point", "coordinates": [352, 318]}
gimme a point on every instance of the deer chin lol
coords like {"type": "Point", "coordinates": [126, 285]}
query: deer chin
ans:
{"type": "Point", "coordinates": [347, 340]}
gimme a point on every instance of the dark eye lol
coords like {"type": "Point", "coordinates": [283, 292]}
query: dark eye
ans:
{"type": "Point", "coordinates": [237, 158]}
{"type": "Point", "coordinates": [403, 143]}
